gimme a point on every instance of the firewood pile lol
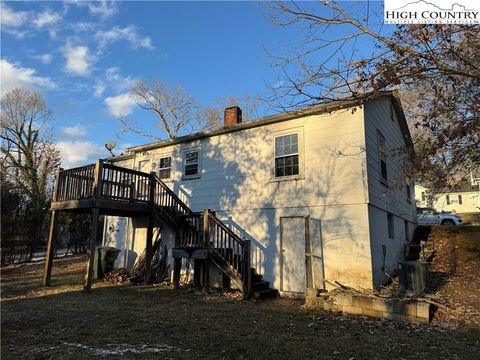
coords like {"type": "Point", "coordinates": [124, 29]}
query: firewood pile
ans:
{"type": "Point", "coordinates": [137, 274]}
{"type": "Point", "coordinates": [118, 276]}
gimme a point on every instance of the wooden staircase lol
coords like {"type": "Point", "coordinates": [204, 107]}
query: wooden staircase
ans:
{"type": "Point", "coordinates": [104, 188]}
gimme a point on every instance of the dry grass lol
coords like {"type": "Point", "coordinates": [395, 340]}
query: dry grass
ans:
{"type": "Point", "coordinates": [154, 322]}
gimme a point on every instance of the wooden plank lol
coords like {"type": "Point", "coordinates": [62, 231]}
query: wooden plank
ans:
{"type": "Point", "coordinates": [91, 258]}
{"type": "Point", "coordinates": [51, 240]}
{"type": "Point", "coordinates": [177, 266]}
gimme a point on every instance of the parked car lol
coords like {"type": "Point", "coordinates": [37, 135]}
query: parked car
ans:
{"type": "Point", "coordinates": [428, 216]}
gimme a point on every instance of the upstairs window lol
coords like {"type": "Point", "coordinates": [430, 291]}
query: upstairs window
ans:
{"type": "Point", "coordinates": [408, 189]}
{"type": "Point", "coordinates": [165, 168]}
{"type": "Point", "coordinates": [382, 154]}
{"type": "Point", "coordinates": [286, 156]}
{"type": "Point", "coordinates": [191, 163]}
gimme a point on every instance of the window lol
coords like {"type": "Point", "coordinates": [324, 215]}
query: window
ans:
{"type": "Point", "coordinates": [286, 155]}
{"type": "Point", "coordinates": [382, 157]}
{"type": "Point", "coordinates": [391, 230]}
{"type": "Point", "coordinates": [408, 189]}
{"type": "Point", "coordinates": [407, 234]}
{"type": "Point", "coordinates": [460, 199]}
{"type": "Point", "coordinates": [165, 167]}
{"type": "Point", "coordinates": [191, 164]}
{"type": "Point", "coordinates": [454, 199]}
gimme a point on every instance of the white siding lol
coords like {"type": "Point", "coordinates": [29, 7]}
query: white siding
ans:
{"type": "Point", "coordinates": [237, 181]}
{"type": "Point", "coordinates": [384, 199]}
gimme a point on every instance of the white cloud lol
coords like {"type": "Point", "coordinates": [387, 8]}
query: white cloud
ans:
{"type": "Point", "coordinates": [13, 76]}
{"type": "Point", "coordinates": [99, 88]}
{"type": "Point", "coordinates": [128, 33]}
{"type": "Point", "coordinates": [102, 8]}
{"type": "Point", "coordinates": [78, 60]}
{"type": "Point", "coordinates": [9, 17]}
{"type": "Point", "coordinates": [80, 152]}
{"type": "Point", "coordinates": [120, 105]}
{"type": "Point", "coordinates": [44, 58]}
{"type": "Point", "coordinates": [115, 81]}
{"type": "Point", "coordinates": [74, 131]}
{"type": "Point", "coordinates": [46, 18]}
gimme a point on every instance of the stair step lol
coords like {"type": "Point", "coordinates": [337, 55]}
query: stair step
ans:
{"type": "Point", "coordinates": [260, 286]}
{"type": "Point", "coordinates": [265, 294]}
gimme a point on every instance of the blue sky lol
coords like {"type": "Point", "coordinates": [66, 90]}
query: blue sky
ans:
{"type": "Point", "coordinates": [84, 56]}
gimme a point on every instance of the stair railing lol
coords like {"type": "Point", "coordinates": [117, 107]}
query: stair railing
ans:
{"type": "Point", "coordinates": [234, 250]}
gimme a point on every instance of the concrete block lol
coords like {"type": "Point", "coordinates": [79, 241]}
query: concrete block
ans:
{"type": "Point", "coordinates": [423, 310]}
{"type": "Point", "coordinates": [394, 316]}
{"type": "Point", "coordinates": [343, 299]}
{"type": "Point", "coordinates": [311, 293]}
{"type": "Point", "coordinates": [382, 305]}
{"type": "Point", "coordinates": [372, 313]}
{"type": "Point", "coordinates": [352, 310]}
{"type": "Point", "coordinates": [362, 302]}
{"type": "Point", "coordinates": [411, 309]}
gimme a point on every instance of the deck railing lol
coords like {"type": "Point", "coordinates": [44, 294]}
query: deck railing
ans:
{"type": "Point", "coordinates": [75, 184]}
{"type": "Point", "coordinates": [196, 230]}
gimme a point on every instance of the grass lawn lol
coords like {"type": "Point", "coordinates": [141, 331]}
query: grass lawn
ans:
{"type": "Point", "coordinates": [153, 322]}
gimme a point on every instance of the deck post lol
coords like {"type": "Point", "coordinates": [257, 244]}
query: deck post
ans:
{"type": "Point", "coordinates": [177, 266]}
{"type": "Point", "coordinates": [47, 274]}
{"type": "Point", "coordinates": [247, 271]}
{"type": "Point", "coordinates": [148, 251]}
{"type": "Point", "coordinates": [91, 256]}
{"type": "Point", "coordinates": [148, 248]}
{"type": "Point", "coordinates": [206, 243]}
{"type": "Point", "coordinates": [97, 182]}
{"type": "Point", "coordinates": [51, 240]}
{"type": "Point", "coordinates": [197, 271]}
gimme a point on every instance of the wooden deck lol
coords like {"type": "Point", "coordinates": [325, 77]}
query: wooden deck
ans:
{"type": "Point", "coordinates": [106, 189]}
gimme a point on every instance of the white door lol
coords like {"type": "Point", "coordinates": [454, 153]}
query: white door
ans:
{"type": "Point", "coordinates": [293, 254]}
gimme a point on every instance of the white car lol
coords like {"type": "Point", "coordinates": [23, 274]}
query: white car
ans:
{"type": "Point", "coordinates": [428, 216]}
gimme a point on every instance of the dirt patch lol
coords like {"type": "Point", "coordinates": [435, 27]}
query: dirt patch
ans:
{"type": "Point", "coordinates": [149, 322]}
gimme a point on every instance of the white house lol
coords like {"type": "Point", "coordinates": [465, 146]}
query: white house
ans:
{"type": "Point", "coordinates": [462, 199]}
{"type": "Point", "coordinates": [318, 191]}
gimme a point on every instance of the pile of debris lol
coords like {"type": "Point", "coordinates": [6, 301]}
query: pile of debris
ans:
{"type": "Point", "coordinates": [137, 274]}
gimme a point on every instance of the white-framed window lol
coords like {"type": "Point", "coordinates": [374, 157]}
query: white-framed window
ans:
{"type": "Point", "coordinates": [165, 167]}
{"type": "Point", "coordinates": [454, 199]}
{"type": "Point", "coordinates": [287, 160]}
{"type": "Point", "coordinates": [391, 226]}
{"type": "Point", "coordinates": [191, 163]}
{"type": "Point", "coordinates": [408, 188]}
{"type": "Point", "coordinates": [382, 157]}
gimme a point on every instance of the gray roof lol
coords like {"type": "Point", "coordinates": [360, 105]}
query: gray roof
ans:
{"type": "Point", "coordinates": [289, 115]}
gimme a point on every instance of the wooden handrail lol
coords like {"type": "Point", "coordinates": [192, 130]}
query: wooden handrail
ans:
{"type": "Point", "coordinates": [175, 198]}
{"type": "Point", "coordinates": [226, 229]}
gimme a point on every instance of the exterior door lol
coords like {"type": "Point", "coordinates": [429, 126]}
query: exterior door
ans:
{"type": "Point", "coordinates": [294, 276]}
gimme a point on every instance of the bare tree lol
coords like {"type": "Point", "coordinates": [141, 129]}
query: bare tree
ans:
{"type": "Point", "coordinates": [213, 115]}
{"type": "Point", "coordinates": [346, 51]}
{"type": "Point", "coordinates": [29, 157]}
{"type": "Point", "coordinates": [174, 109]}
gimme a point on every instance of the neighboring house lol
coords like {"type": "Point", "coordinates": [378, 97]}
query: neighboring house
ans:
{"type": "Point", "coordinates": [463, 198]}
{"type": "Point", "coordinates": [318, 191]}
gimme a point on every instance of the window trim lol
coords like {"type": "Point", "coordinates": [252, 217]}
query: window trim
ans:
{"type": "Point", "coordinates": [164, 156]}
{"type": "Point", "coordinates": [300, 153]}
{"type": "Point", "coordinates": [380, 139]}
{"type": "Point", "coordinates": [199, 163]}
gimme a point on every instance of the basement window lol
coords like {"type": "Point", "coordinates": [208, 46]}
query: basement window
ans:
{"type": "Point", "coordinates": [165, 168]}
{"type": "Point", "coordinates": [286, 156]}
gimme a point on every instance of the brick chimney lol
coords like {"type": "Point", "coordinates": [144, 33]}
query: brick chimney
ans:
{"type": "Point", "coordinates": [232, 116]}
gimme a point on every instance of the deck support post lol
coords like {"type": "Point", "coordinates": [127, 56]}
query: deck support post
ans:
{"type": "Point", "coordinates": [197, 273]}
{"type": "Point", "coordinates": [91, 255]}
{"type": "Point", "coordinates": [148, 251]}
{"type": "Point", "coordinates": [247, 270]}
{"type": "Point", "coordinates": [51, 240]}
{"type": "Point", "coordinates": [177, 266]}
{"type": "Point", "coordinates": [206, 243]}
